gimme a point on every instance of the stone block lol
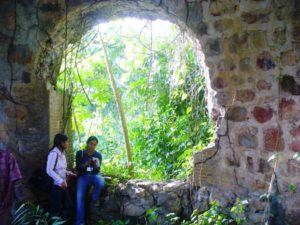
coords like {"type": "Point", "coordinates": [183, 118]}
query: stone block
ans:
{"type": "Point", "coordinates": [226, 65]}
{"type": "Point", "coordinates": [273, 140]}
{"type": "Point", "coordinates": [262, 115]}
{"type": "Point", "coordinates": [289, 84]}
{"type": "Point", "coordinates": [200, 199]}
{"type": "Point", "coordinates": [289, 58]}
{"type": "Point", "coordinates": [20, 54]}
{"type": "Point", "coordinates": [169, 202]}
{"type": "Point", "coordinates": [223, 25]}
{"type": "Point", "coordinates": [213, 47]}
{"type": "Point", "coordinates": [295, 131]}
{"type": "Point", "coordinates": [245, 64]}
{"type": "Point", "coordinates": [248, 140]}
{"type": "Point", "coordinates": [263, 85]}
{"type": "Point", "coordinates": [265, 62]}
{"type": "Point", "coordinates": [223, 98]}
{"type": "Point", "coordinates": [219, 7]}
{"type": "Point", "coordinates": [257, 39]}
{"type": "Point", "coordinates": [287, 109]}
{"type": "Point", "coordinates": [206, 166]}
{"type": "Point", "coordinates": [237, 42]}
{"type": "Point", "coordinates": [293, 167]}
{"type": "Point", "coordinates": [295, 146]}
{"type": "Point", "coordinates": [237, 113]}
{"type": "Point", "coordinates": [253, 17]}
{"type": "Point", "coordinates": [237, 80]}
{"type": "Point", "coordinates": [219, 83]}
{"type": "Point", "coordinates": [246, 95]}
{"type": "Point", "coordinates": [279, 36]}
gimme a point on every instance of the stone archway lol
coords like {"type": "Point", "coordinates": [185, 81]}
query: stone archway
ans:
{"type": "Point", "coordinates": [247, 45]}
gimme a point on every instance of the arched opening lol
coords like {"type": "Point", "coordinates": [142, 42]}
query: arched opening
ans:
{"type": "Point", "coordinates": [161, 86]}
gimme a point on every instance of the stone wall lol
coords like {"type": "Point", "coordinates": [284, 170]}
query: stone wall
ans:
{"type": "Point", "coordinates": [131, 200]}
{"type": "Point", "coordinates": [56, 123]}
{"type": "Point", "coordinates": [251, 51]}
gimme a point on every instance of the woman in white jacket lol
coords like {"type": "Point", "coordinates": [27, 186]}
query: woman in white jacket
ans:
{"type": "Point", "coordinates": [59, 198]}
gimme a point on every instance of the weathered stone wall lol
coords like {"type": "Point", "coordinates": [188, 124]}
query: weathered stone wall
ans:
{"type": "Point", "coordinates": [251, 50]}
{"type": "Point", "coordinates": [131, 200]}
{"type": "Point", "coordinates": [56, 123]}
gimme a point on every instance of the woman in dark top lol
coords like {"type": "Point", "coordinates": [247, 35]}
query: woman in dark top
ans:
{"type": "Point", "coordinates": [88, 163]}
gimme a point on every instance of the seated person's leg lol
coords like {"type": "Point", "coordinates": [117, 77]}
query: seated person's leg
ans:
{"type": "Point", "coordinates": [98, 183]}
{"type": "Point", "coordinates": [82, 186]}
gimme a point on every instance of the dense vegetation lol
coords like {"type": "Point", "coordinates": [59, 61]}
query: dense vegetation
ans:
{"type": "Point", "coordinates": [162, 89]}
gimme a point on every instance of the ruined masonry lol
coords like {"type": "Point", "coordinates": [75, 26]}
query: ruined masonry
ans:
{"type": "Point", "coordinates": [251, 50]}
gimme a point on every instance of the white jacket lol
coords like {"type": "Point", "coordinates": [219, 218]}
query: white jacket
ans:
{"type": "Point", "coordinates": [59, 173]}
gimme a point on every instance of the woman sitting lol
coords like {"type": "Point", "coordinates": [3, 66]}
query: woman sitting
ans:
{"type": "Point", "coordinates": [88, 163]}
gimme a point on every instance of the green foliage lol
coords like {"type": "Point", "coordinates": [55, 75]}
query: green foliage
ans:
{"type": "Point", "coordinates": [292, 188]}
{"type": "Point", "coordinates": [151, 216]}
{"type": "Point", "coordinates": [162, 88]}
{"type": "Point", "coordinates": [31, 214]}
{"type": "Point", "coordinates": [215, 215]}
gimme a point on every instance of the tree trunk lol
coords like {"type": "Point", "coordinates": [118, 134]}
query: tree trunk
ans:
{"type": "Point", "coordinates": [77, 129]}
{"type": "Point", "coordinates": [120, 108]}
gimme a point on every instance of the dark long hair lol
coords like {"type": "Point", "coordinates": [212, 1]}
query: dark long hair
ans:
{"type": "Point", "coordinates": [58, 139]}
{"type": "Point", "coordinates": [91, 138]}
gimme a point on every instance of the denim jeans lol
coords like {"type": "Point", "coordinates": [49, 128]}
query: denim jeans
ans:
{"type": "Point", "coordinates": [83, 183]}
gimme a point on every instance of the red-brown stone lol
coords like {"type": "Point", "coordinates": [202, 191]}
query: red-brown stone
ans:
{"type": "Point", "coordinates": [295, 146]}
{"type": "Point", "coordinates": [263, 85]}
{"type": "Point", "coordinates": [295, 131]}
{"type": "Point", "coordinates": [264, 61]}
{"type": "Point", "coordinates": [262, 115]}
{"type": "Point", "coordinates": [273, 139]}
{"type": "Point", "coordinates": [219, 83]}
{"type": "Point", "coordinates": [286, 108]}
{"type": "Point", "coordinates": [245, 95]}
{"type": "Point", "coordinates": [249, 17]}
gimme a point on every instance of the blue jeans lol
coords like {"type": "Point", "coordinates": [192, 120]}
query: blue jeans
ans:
{"type": "Point", "coordinates": [83, 183]}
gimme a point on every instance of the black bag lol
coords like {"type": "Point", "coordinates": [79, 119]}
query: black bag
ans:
{"type": "Point", "coordinates": [41, 180]}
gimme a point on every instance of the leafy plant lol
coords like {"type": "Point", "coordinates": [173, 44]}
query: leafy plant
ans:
{"type": "Point", "coordinates": [32, 214]}
{"type": "Point", "coordinates": [151, 216]}
{"type": "Point", "coordinates": [215, 215]}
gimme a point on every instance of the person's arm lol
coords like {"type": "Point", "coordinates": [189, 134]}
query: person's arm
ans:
{"type": "Point", "coordinates": [52, 158]}
{"type": "Point", "coordinates": [97, 165]}
{"type": "Point", "coordinates": [70, 173]}
{"type": "Point", "coordinates": [81, 164]}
